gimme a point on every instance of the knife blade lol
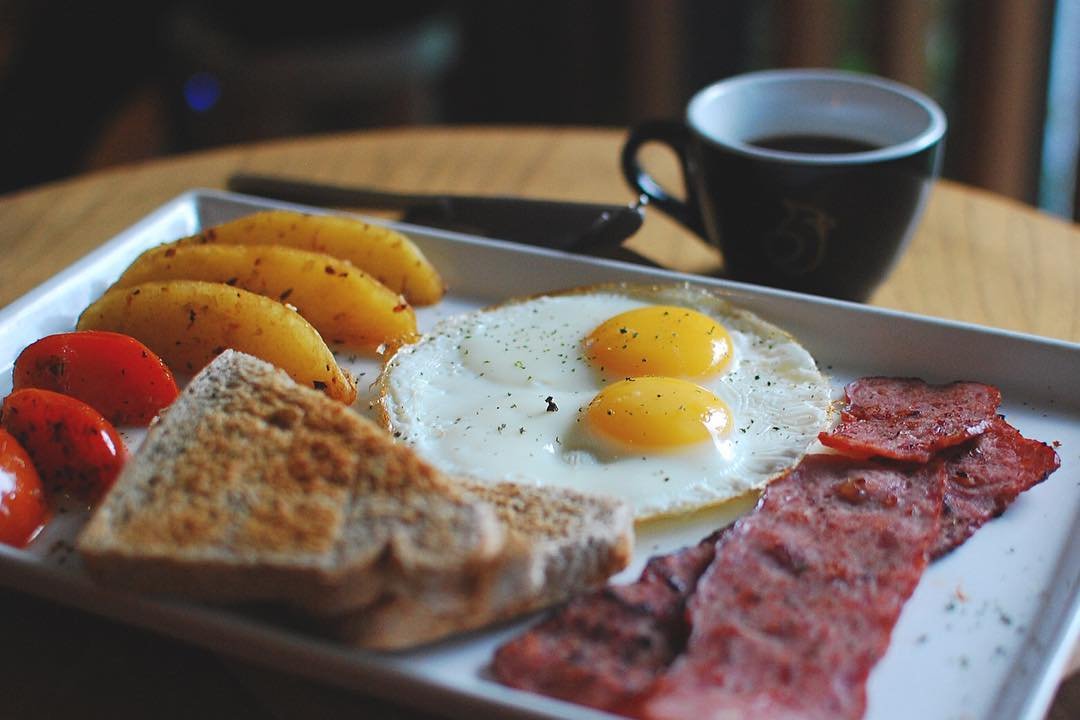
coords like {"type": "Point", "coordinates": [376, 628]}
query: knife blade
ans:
{"type": "Point", "coordinates": [589, 228]}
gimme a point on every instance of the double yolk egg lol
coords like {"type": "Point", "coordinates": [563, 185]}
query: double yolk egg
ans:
{"type": "Point", "coordinates": [665, 396]}
{"type": "Point", "coordinates": [658, 350]}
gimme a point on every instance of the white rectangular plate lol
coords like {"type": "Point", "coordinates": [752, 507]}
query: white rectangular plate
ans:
{"type": "Point", "coordinates": [986, 634]}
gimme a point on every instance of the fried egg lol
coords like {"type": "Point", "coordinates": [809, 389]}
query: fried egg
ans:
{"type": "Point", "coordinates": [665, 396]}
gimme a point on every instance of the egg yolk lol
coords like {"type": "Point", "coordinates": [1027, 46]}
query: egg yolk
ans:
{"type": "Point", "coordinates": [659, 340]}
{"type": "Point", "coordinates": [657, 413]}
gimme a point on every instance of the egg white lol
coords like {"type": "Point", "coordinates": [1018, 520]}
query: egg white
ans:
{"type": "Point", "coordinates": [498, 394]}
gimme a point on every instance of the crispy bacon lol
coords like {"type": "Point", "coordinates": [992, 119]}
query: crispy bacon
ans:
{"type": "Point", "coordinates": [908, 419]}
{"type": "Point", "coordinates": [989, 462]}
{"type": "Point", "coordinates": [985, 476]}
{"type": "Point", "coordinates": [822, 602]}
{"type": "Point", "coordinates": [605, 648]}
{"type": "Point", "coordinates": [786, 612]}
{"type": "Point", "coordinates": [801, 598]}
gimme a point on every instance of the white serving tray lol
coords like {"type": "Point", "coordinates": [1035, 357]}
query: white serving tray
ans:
{"type": "Point", "coordinates": [986, 634]}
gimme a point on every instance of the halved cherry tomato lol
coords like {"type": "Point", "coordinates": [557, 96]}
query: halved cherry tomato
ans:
{"type": "Point", "coordinates": [115, 374]}
{"type": "Point", "coordinates": [23, 510]}
{"type": "Point", "coordinates": [74, 449]}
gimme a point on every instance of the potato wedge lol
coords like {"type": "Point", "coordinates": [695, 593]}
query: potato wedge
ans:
{"type": "Point", "coordinates": [390, 257]}
{"type": "Point", "coordinates": [187, 323]}
{"type": "Point", "coordinates": [346, 305]}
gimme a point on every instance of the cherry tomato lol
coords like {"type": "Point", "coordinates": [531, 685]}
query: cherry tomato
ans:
{"type": "Point", "coordinates": [23, 510]}
{"type": "Point", "coordinates": [113, 373]}
{"type": "Point", "coordinates": [75, 450]}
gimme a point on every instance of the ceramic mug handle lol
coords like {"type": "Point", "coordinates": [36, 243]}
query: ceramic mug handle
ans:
{"type": "Point", "coordinates": [677, 137]}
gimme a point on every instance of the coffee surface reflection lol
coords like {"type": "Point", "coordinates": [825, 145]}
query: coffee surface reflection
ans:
{"type": "Point", "coordinates": [813, 144]}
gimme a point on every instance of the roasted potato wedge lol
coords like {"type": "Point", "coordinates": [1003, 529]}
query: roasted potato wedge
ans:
{"type": "Point", "coordinates": [390, 257]}
{"type": "Point", "coordinates": [187, 323]}
{"type": "Point", "coordinates": [346, 305]}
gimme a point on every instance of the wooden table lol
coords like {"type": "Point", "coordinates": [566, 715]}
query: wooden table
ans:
{"type": "Point", "coordinates": [976, 257]}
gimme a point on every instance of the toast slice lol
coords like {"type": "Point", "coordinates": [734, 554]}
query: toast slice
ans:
{"type": "Point", "coordinates": [560, 543]}
{"type": "Point", "coordinates": [251, 487]}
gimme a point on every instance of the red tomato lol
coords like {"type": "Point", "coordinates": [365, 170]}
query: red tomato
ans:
{"type": "Point", "coordinates": [23, 511]}
{"type": "Point", "coordinates": [74, 449]}
{"type": "Point", "coordinates": [115, 374]}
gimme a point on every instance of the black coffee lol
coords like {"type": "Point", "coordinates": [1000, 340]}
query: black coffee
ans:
{"type": "Point", "coordinates": [813, 144]}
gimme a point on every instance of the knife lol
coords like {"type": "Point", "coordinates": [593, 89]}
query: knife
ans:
{"type": "Point", "coordinates": [588, 228]}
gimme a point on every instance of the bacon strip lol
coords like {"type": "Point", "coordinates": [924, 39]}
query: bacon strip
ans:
{"type": "Point", "coordinates": [786, 625]}
{"type": "Point", "coordinates": [614, 648]}
{"type": "Point", "coordinates": [907, 419]}
{"type": "Point", "coordinates": [984, 478]}
{"type": "Point", "coordinates": [608, 649]}
{"type": "Point", "coordinates": [604, 648]}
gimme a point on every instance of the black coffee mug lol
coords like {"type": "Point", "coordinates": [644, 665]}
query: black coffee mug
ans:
{"type": "Point", "coordinates": [809, 180]}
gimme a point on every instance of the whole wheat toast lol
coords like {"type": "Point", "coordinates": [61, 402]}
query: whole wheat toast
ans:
{"type": "Point", "coordinates": [253, 488]}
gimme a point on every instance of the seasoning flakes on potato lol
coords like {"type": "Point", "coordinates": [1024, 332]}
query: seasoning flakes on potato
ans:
{"type": "Point", "coordinates": [387, 255]}
{"type": "Point", "coordinates": [188, 323]}
{"type": "Point", "coordinates": [346, 305]}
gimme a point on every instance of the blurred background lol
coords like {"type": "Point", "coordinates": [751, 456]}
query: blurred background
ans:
{"type": "Point", "coordinates": [88, 85]}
